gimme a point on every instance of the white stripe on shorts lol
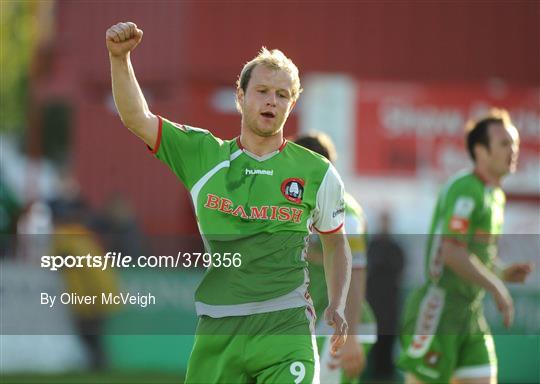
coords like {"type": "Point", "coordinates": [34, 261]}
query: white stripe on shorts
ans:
{"type": "Point", "coordinates": [473, 372]}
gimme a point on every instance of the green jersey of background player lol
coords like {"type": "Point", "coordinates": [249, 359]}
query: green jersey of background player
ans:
{"type": "Point", "coordinates": [445, 336]}
{"type": "Point", "coordinates": [256, 197]}
{"type": "Point", "coordinates": [346, 368]}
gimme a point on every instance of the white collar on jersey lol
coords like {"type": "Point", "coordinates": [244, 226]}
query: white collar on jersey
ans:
{"type": "Point", "coordinates": [264, 157]}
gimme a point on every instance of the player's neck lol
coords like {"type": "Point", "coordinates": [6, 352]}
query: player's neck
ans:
{"type": "Point", "coordinates": [260, 145]}
{"type": "Point", "coordinates": [487, 177]}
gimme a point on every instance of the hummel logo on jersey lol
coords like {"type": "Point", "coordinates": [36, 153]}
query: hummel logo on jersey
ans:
{"type": "Point", "coordinates": [268, 172]}
{"type": "Point", "coordinates": [264, 212]}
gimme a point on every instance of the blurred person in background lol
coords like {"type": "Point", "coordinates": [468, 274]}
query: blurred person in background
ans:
{"type": "Point", "coordinates": [349, 365]}
{"type": "Point", "coordinates": [73, 237]}
{"type": "Point", "coordinates": [261, 192]}
{"type": "Point", "coordinates": [68, 194]}
{"type": "Point", "coordinates": [445, 335]}
{"type": "Point", "coordinates": [10, 208]}
{"type": "Point", "coordinates": [118, 228]}
{"type": "Point", "coordinates": [34, 227]}
{"type": "Point", "coordinates": [386, 260]}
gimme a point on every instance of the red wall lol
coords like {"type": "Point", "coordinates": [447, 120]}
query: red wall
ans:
{"type": "Point", "coordinates": [191, 48]}
{"type": "Point", "coordinates": [403, 39]}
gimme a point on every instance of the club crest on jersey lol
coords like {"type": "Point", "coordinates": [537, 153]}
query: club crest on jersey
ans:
{"type": "Point", "coordinates": [293, 190]}
{"type": "Point", "coordinates": [432, 358]}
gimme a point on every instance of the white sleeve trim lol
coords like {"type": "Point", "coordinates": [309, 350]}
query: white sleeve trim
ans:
{"type": "Point", "coordinates": [329, 212]}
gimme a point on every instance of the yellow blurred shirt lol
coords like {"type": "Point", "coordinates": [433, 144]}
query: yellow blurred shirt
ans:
{"type": "Point", "coordinates": [77, 240]}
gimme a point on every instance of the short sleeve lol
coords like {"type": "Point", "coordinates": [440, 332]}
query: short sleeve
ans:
{"type": "Point", "coordinates": [329, 213]}
{"type": "Point", "coordinates": [355, 227]}
{"type": "Point", "coordinates": [187, 151]}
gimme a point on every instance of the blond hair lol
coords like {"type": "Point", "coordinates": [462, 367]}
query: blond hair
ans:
{"type": "Point", "coordinates": [273, 59]}
{"type": "Point", "coordinates": [500, 115]}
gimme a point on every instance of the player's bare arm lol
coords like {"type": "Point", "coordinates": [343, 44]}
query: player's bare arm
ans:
{"type": "Point", "coordinates": [337, 270]}
{"type": "Point", "coordinates": [467, 266]}
{"type": "Point", "coordinates": [121, 39]}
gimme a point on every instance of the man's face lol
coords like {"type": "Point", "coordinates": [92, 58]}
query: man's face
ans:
{"type": "Point", "coordinates": [503, 150]}
{"type": "Point", "coordinates": [267, 102]}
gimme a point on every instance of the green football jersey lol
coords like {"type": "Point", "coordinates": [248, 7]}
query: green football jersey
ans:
{"type": "Point", "coordinates": [262, 208]}
{"type": "Point", "coordinates": [471, 213]}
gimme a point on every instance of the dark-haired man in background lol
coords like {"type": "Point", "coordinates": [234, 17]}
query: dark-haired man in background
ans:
{"type": "Point", "coordinates": [445, 335]}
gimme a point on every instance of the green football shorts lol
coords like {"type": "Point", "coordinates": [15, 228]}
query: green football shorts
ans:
{"type": "Point", "coordinates": [441, 339]}
{"type": "Point", "coordinates": [273, 347]}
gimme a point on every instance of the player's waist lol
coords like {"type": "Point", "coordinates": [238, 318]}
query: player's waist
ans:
{"type": "Point", "coordinates": [294, 299]}
{"type": "Point", "coordinates": [461, 295]}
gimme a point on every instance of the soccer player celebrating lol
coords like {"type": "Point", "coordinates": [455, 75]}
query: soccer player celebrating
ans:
{"type": "Point", "coordinates": [445, 335]}
{"type": "Point", "coordinates": [255, 197]}
{"type": "Point", "coordinates": [349, 364]}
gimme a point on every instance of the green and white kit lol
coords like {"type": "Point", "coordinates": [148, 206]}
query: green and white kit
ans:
{"type": "Point", "coordinates": [357, 236]}
{"type": "Point", "coordinates": [263, 209]}
{"type": "Point", "coordinates": [445, 333]}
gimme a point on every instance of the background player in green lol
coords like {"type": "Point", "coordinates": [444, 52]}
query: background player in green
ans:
{"type": "Point", "coordinates": [445, 335]}
{"type": "Point", "coordinates": [347, 367]}
{"type": "Point", "coordinates": [257, 196]}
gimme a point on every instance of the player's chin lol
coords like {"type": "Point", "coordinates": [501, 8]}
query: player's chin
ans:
{"type": "Point", "coordinates": [268, 131]}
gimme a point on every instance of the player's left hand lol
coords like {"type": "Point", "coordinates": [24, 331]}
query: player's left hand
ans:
{"type": "Point", "coordinates": [517, 272]}
{"type": "Point", "coordinates": [336, 319]}
{"type": "Point", "coordinates": [351, 358]}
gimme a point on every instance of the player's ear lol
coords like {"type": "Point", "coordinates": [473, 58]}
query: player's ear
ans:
{"type": "Point", "coordinates": [239, 99]}
{"type": "Point", "coordinates": [480, 151]}
{"type": "Point", "coordinates": [240, 95]}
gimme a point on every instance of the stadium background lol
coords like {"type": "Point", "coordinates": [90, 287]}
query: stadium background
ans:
{"type": "Point", "coordinates": [391, 82]}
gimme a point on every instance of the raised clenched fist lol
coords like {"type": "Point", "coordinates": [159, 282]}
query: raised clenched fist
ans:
{"type": "Point", "coordinates": [122, 38]}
